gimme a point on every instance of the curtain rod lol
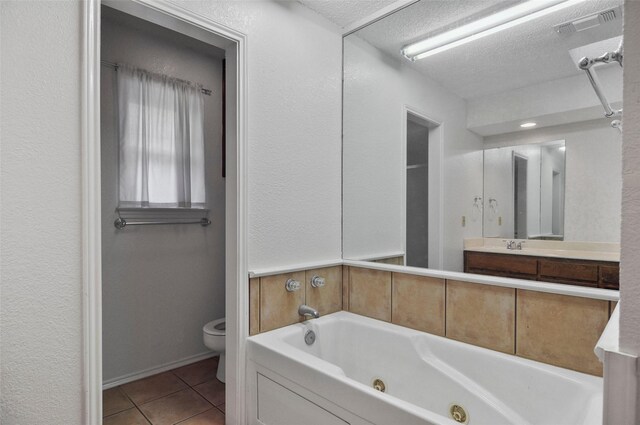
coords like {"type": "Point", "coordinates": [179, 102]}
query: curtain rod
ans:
{"type": "Point", "coordinates": [115, 66]}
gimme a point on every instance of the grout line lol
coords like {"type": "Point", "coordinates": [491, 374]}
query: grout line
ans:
{"type": "Point", "coordinates": [144, 416]}
{"type": "Point", "coordinates": [192, 416]}
{"type": "Point", "coordinates": [446, 289]}
{"type": "Point", "coordinates": [515, 321]}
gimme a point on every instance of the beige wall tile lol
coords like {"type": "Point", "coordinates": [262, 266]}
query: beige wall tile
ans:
{"type": "Point", "coordinates": [560, 330]}
{"type": "Point", "coordinates": [398, 261]}
{"type": "Point", "coordinates": [482, 315]}
{"type": "Point", "coordinates": [612, 306]}
{"type": "Point", "coordinates": [328, 298]}
{"type": "Point", "coordinates": [370, 293]}
{"type": "Point", "coordinates": [254, 306]}
{"type": "Point", "coordinates": [278, 307]}
{"type": "Point", "coordinates": [345, 288]}
{"type": "Point", "coordinates": [418, 302]}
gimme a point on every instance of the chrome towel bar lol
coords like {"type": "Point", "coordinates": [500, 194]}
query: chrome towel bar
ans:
{"type": "Point", "coordinates": [121, 223]}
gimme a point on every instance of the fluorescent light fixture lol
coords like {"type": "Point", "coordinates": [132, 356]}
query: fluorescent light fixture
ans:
{"type": "Point", "coordinates": [562, 148]}
{"type": "Point", "coordinates": [504, 19]}
{"type": "Point", "coordinates": [528, 124]}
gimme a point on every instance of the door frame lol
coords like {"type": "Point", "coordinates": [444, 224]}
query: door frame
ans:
{"type": "Point", "coordinates": [234, 43]}
{"type": "Point", "coordinates": [435, 183]}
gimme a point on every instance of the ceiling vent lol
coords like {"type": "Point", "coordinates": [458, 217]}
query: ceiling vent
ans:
{"type": "Point", "coordinates": [590, 21]}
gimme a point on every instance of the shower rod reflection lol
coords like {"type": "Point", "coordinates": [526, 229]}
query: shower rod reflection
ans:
{"type": "Point", "coordinates": [121, 223]}
{"type": "Point", "coordinates": [115, 66]}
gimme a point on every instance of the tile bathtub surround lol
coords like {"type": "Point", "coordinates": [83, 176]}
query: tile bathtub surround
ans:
{"type": "Point", "coordinates": [481, 315]}
{"type": "Point", "coordinates": [278, 307]}
{"type": "Point", "coordinates": [328, 298]}
{"type": "Point", "coordinates": [272, 307]}
{"type": "Point", "coordinates": [560, 330]}
{"type": "Point", "coordinates": [370, 293]}
{"type": "Point", "coordinates": [418, 302]}
{"type": "Point", "coordinates": [254, 306]}
{"type": "Point", "coordinates": [190, 395]}
{"type": "Point", "coordinates": [345, 288]}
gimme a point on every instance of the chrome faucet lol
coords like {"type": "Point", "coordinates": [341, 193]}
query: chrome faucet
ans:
{"type": "Point", "coordinates": [513, 245]}
{"type": "Point", "coordinates": [305, 310]}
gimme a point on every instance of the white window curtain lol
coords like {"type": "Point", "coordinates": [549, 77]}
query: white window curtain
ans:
{"type": "Point", "coordinates": [161, 132]}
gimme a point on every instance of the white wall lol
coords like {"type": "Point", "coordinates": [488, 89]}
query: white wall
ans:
{"type": "Point", "coordinates": [147, 283]}
{"type": "Point", "coordinates": [593, 176]}
{"type": "Point", "coordinates": [377, 88]}
{"type": "Point", "coordinates": [294, 95]}
{"type": "Point", "coordinates": [295, 84]}
{"type": "Point", "coordinates": [41, 305]}
{"type": "Point", "coordinates": [630, 259]}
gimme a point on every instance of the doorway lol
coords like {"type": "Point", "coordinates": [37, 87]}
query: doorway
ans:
{"type": "Point", "coordinates": [520, 163]}
{"type": "Point", "coordinates": [417, 180]}
{"type": "Point", "coordinates": [233, 44]}
{"type": "Point", "coordinates": [422, 178]}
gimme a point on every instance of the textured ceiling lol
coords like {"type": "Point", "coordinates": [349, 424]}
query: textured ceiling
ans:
{"type": "Point", "coordinates": [345, 12]}
{"type": "Point", "coordinates": [521, 56]}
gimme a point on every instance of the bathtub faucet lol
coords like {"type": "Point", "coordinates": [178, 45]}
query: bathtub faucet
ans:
{"type": "Point", "coordinates": [305, 310]}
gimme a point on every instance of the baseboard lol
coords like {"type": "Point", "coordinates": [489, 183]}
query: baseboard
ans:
{"type": "Point", "coordinates": [155, 370]}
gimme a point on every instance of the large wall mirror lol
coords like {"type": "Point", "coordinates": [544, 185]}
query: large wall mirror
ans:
{"type": "Point", "coordinates": [452, 136]}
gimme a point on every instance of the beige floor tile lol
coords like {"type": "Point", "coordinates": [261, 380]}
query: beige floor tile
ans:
{"type": "Point", "coordinates": [175, 407]}
{"type": "Point", "coordinates": [326, 299]}
{"type": "Point", "coordinates": [213, 391]}
{"type": "Point", "coordinates": [128, 417]}
{"type": "Point", "coordinates": [199, 372]}
{"type": "Point", "coordinates": [418, 303]}
{"type": "Point", "coordinates": [114, 401]}
{"type": "Point", "coordinates": [153, 387]}
{"type": "Point", "coordinates": [278, 307]}
{"type": "Point", "coordinates": [560, 330]}
{"type": "Point", "coordinates": [370, 293]}
{"type": "Point", "coordinates": [210, 417]}
{"type": "Point", "coordinates": [481, 315]}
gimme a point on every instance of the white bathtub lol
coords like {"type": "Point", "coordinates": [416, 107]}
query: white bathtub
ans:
{"type": "Point", "coordinates": [424, 375]}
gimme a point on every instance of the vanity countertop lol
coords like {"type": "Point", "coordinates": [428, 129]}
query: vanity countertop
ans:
{"type": "Point", "coordinates": [591, 251]}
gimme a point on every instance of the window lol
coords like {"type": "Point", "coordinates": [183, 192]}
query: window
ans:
{"type": "Point", "coordinates": [161, 134]}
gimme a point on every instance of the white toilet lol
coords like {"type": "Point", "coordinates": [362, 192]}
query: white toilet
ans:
{"type": "Point", "coordinates": [213, 334]}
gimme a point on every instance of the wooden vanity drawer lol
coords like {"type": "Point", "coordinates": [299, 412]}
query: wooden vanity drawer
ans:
{"type": "Point", "coordinates": [569, 272]}
{"type": "Point", "coordinates": [610, 277]}
{"type": "Point", "coordinates": [503, 264]}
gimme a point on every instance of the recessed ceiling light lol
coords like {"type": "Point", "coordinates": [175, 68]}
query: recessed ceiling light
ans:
{"type": "Point", "coordinates": [528, 124]}
{"type": "Point", "coordinates": [507, 18]}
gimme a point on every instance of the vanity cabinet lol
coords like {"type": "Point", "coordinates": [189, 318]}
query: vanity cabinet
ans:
{"type": "Point", "coordinates": [596, 274]}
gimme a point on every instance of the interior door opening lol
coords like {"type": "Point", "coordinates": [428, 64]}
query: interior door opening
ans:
{"type": "Point", "coordinates": [417, 184]}
{"type": "Point", "coordinates": [520, 196]}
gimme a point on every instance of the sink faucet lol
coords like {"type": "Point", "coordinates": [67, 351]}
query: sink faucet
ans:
{"type": "Point", "coordinates": [513, 245]}
{"type": "Point", "coordinates": [305, 310]}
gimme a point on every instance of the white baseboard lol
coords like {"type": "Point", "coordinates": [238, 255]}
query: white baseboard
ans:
{"type": "Point", "coordinates": [110, 383]}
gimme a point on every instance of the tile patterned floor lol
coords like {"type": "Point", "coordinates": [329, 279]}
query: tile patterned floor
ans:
{"type": "Point", "coordinates": [189, 395]}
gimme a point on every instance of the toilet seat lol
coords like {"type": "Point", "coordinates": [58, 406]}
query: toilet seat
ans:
{"type": "Point", "coordinates": [216, 327]}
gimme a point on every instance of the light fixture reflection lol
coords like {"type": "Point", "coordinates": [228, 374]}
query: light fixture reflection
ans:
{"type": "Point", "coordinates": [504, 19]}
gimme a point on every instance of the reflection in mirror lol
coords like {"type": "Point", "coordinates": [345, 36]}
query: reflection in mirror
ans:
{"type": "Point", "coordinates": [524, 190]}
{"type": "Point", "coordinates": [458, 144]}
